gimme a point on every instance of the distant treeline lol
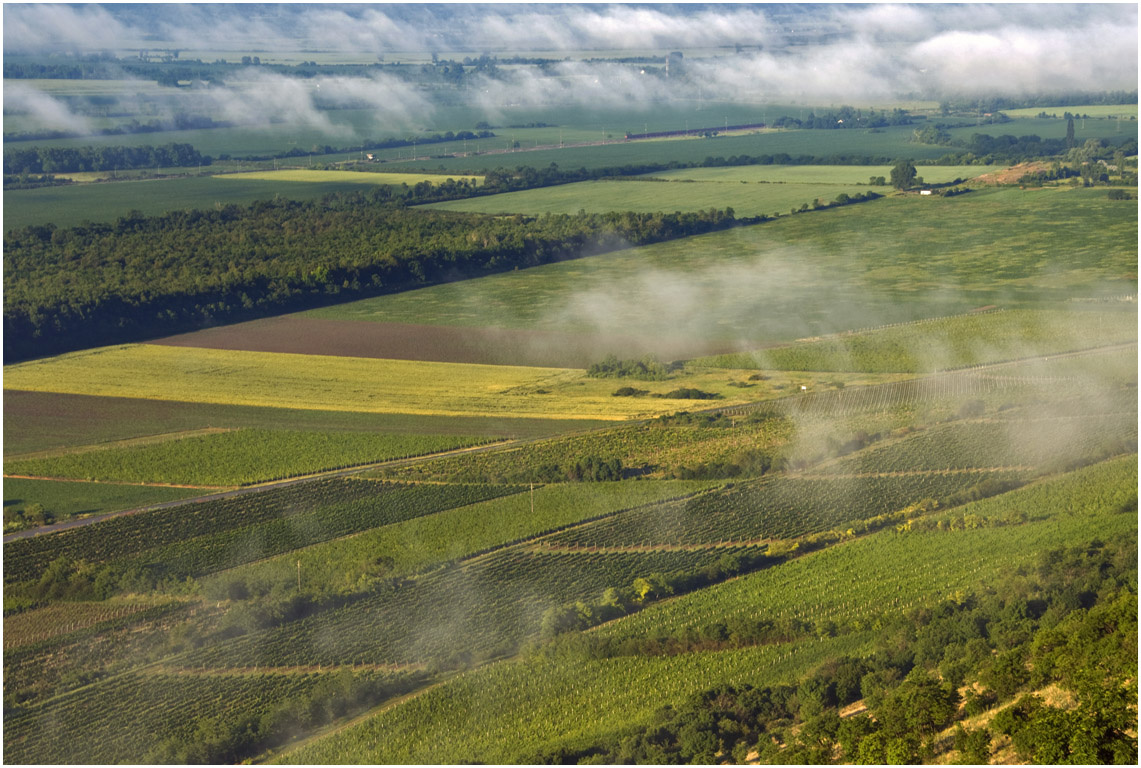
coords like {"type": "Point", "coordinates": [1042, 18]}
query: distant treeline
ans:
{"type": "Point", "coordinates": [982, 148]}
{"type": "Point", "coordinates": [142, 277]}
{"type": "Point", "coordinates": [436, 138]}
{"type": "Point", "coordinates": [35, 160]}
{"type": "Point", "coordinates": [1077, 98]}
{"type": "Point", "coordinates": [846, 117]}
{"type": "Point", "coordinates": [181, 122]}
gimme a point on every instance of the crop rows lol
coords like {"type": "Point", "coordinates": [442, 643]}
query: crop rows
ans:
{"type": "Point", "coordinates": [975, 444]}
{"type": "Point", "coordinates": [776, 508]}
{"type": "Point", "coordinates": [485, 607]}
{"type": "Point", "coordinates": [950, 342]}
{"type": "Point", "coordinates": [124, 718]}
{"type": "Point", "coordinates": [857, 581]}
{"type": "Point", "coordinates": [460, 532]}
{"type": "Point", "coordinates": [194, 539]}
{"type": "Point", "coordinates": [505, 713]}
{"type": "Point", "coordinates": [46, 667]}
{"type": "Point", "coordinates": [235, 458]}
{"type": "Point", "coordinates": [500, 712]}
{"type": "Point", "coordinates": [58, 619]}
{"type": "Point", "coordinates": [651, 445]}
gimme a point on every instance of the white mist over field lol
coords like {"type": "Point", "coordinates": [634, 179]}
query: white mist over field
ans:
{"type": "Point", "coordinates": [820, 53]}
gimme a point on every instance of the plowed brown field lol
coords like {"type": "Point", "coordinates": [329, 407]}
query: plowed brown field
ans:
{"type": "Point", "coordinates": [447, 344]}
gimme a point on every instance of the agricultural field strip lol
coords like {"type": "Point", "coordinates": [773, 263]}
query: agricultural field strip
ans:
{"type": "Point", "coordinates": [239, 457]}
{"type": "Point", "coordinates": [361, 177]}
{"type": "Point", "coordinates": [124, 443]}
{"type": "Point", "coordinates": [321, 550]}
{"type": "Point", "coordinates": [211, 537]}
{"type": "Point", "coordinates": [161, 668]}
{"type": "Point", "coordinates": [58, 619]}
{"type": "Point", "coordinates": [831, 568]}
{"type": "Point", "coordinates": [794, 400]}
{"type": "Point", "coordinates": [57, 479]}
{"type": "Point", "coordinates": [273, 485]}
{"type": "Point", "coordinates": [488, 682]}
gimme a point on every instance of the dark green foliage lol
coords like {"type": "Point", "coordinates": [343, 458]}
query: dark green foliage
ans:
{"type": "Point", "coordinates": [903, 174]}
{"type": "Point", "coordinates": [973, 746]}
{"type": "Point", "coordinates": [102, 158]}
{"type": "Point", "coordinates": [689, 393]}
{"type": "Point", "coordinates": [646, 369]}
{"type": "Point", "coordinates": [98, 284]}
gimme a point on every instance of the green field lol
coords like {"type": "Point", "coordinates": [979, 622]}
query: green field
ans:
{"type": "Point", "coordinates": [892, 260]}
{"type": "Point", "coordinates": [653, 196]}
{"type": "Point", "coordinates": [1126, 111]}
{"type": "Point", "coordinates": [848, 485]}
{"type": "Point", "coordinates": [895, 573]}
{"type": "Point", "coordinates": [105, 201]}
{"type": "Point", "coordinates": [453, 534]}
{"type": "Point", "coordinates": [234, 458]}
{"type": "Point", "coordinates": [305, 176]}
{"type": "Point", "coordinates": [76, 499]}
{"type": "Point", "coordinates": [320, 382]}
{"type": "Point", "coordinates": [1050, 128]}
{"type": "Point", "coordinates": [41, 421]}
{"type": "Point", "coordinates": [815, 174]}
{"type": "Point", "coordinates": [952, 342]}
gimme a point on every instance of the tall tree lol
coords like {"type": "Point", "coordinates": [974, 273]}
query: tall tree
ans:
{"type": "Point", "coordinates": [903, 174]}
{"type": "Point", "coordinates": [1070, 133]}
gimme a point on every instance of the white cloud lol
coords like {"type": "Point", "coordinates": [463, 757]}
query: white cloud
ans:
{"type": "Point", "coordinates": [47, 112]}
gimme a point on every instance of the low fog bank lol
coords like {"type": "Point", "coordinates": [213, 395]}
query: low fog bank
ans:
{"type": "Point", "coordinates": [812, 54]}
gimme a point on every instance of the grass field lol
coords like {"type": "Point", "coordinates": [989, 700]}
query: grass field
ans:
{"type": "Point", "coordinates": [356, 384]}
{"type": "Point", "coordinates": [952, 342]}
{"type": "Point", "coordinates": [240, 457]}
{"type": "Point", "coordinates": [651, 196]}
{"type": "Point", "coordinates": [72, 205]}
{"type": "Point", "coordinates": [1127, 111]}
{"type": "Point", "coordinates": [105, 201]}
{"type": "Point", "coordinates": [71, 499]}
{"type": "Point", "coordinates": [892, 260]}
{"type": "Point", "coordinates": [814, 174]}
{"type": "Point", "coordinates": [1049, 128]}
{"type": "Point", "coordinates": [42, 421]}
{"type": "Point", "coordinates": [305, 176]}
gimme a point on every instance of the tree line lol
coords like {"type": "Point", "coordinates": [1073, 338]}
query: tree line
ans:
{"type": "Point", "coordinates": [141, 277]}
{"type": "Point", "coordinates": [41, 160]}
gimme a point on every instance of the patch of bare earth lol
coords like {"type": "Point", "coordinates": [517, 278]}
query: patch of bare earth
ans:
{"type": "Point", "coordinates": [1013, 174]}
{"type": "Point", "coordinates": [300, 334]}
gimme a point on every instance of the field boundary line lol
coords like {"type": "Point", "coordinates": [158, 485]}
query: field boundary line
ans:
{"type": "Point", "coordinates": [911, 472]}
{"type": "Point", "coordinates": [559, 548]}
{"type": "Point", "coordinates": [122, 482]}
{"type": "Point", "coordinates": [156, 439]}
{"type": "Point", "coordinates": [177, 671]}
{"type": "Point", "coordinates": [237, 491]}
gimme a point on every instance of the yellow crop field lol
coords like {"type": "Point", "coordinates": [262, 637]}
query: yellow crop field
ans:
{"type": "Point", "coordinates": [318, 382]}
{"type": "Point", "coordinates": [307, 176]}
